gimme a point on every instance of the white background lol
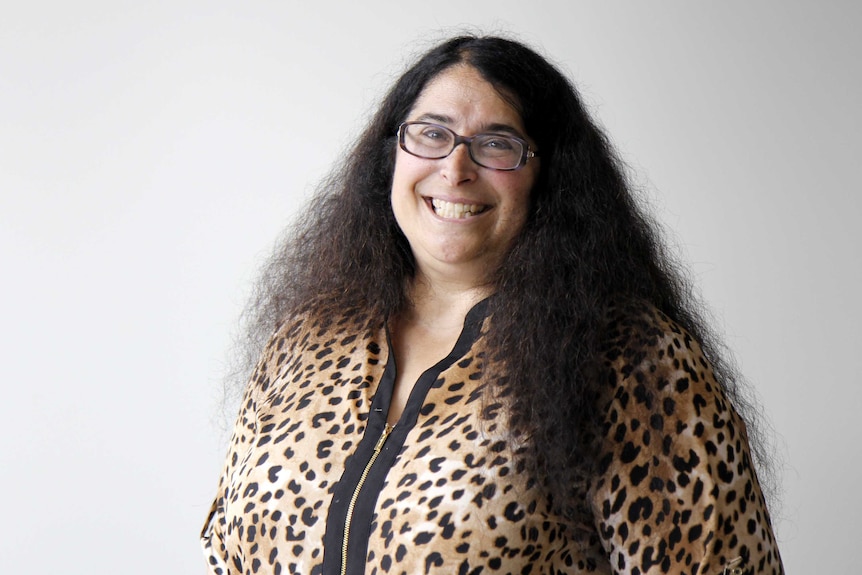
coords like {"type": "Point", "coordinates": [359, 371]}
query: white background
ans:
{"type": "Point", "coordinates": [151, 152]}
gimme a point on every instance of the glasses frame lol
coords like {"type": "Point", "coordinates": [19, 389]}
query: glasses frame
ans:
{"type": "Point", "coordinates": [527, 151]}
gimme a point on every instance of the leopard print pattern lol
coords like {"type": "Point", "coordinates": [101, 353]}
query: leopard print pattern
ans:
{"type": "Point", "coordinates": [676, 492]}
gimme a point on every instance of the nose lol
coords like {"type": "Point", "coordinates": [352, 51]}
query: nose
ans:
{"type": "Point", "coordinates": [458, 167]}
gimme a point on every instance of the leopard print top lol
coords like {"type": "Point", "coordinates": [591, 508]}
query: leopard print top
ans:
{"type": "Point", "coordinates": [316, 482]}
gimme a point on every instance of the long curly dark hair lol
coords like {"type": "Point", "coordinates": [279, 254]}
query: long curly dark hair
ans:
{"type": "Point", "coordinates": [586, 243]}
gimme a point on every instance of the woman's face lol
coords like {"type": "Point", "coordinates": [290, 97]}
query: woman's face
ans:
{"type": "Point", "coordinates": [461, 218]}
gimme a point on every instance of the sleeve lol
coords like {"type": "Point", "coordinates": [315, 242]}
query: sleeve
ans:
{"type": "Point", "coordinates": [217, 528]}
{"type": "Point", "coordinates": [676, 491]}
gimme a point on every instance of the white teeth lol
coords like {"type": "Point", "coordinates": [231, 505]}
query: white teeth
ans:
{"type": "Point", "coordinates": [446, 209]}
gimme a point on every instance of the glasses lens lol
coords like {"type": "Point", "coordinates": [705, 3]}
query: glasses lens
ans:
{"type": "Point", "coordinates": [428, 140]}
{"type": "Point", "coordinates": [431, 141]}
{"type": "Point", "coordinates": [497, 151]}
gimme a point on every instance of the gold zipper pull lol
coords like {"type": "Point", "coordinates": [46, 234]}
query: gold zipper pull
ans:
{"type": "Point", "coordinates": [387, 429]}
{"type": "Point", "coordinates": [733, 567]}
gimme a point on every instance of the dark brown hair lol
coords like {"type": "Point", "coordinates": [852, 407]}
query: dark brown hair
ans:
{"type": "Point", "coordinates": [586, 243]}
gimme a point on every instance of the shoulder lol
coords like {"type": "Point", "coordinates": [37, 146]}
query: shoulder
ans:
{"type": "Point", "coordinates": [638, 332]}
{"type": "Point", "coordinates": [318, 324]}
{"type": "Point", "coordinates": [314, 338]}
{"type": "Point", "coordinates": [654, 367]}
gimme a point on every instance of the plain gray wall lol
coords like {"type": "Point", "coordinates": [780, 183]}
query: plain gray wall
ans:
{"type": "Point", "coordinates": [151, 152]}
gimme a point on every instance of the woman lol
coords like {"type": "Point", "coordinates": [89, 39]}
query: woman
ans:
{"type": "Point", "coordinates": [482, 360]}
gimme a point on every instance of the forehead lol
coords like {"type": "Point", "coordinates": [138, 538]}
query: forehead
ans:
{"type": "Point", "coordinates": [462, 97]}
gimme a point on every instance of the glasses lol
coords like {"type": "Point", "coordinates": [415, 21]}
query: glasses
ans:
{"type": "Point", "coordinates": [434, 142]}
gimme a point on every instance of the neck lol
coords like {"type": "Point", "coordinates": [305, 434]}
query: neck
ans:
{"type": "Point", "coordinates": [442, 304]}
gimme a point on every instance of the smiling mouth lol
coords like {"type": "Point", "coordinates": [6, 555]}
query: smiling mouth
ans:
{"type": "Point", "coordinates": [451, 210]}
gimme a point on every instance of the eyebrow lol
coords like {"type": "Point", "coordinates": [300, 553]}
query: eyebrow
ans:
{"type": "Point", "coordinates": [495, 127]}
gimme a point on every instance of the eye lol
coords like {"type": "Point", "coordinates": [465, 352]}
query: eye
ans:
{"type": "Point", "coordinates": [499, 143]}
{"type": "Point", "coordinates": [497, 146]}
{"type": "Point", "coordinates": [434, 133]}
{"type": "Point", "coordinates": [430, 136]}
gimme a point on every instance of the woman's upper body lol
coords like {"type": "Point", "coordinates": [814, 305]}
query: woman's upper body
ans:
{"type": "Point", "coordinates": [675, 491]}
{"type": "Point", "coordinates": [475, 369]}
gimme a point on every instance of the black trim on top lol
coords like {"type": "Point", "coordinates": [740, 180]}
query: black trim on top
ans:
{"type": "Point", "coordinates": [355, 464]}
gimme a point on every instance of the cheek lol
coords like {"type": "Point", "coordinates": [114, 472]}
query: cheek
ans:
{"type": "Point", "coordinates": [408, 169]}
{"type": "Point", "coordinates": [518, 196]}
{"type": "Point", "coordinates": [400, 186]}
{"type": "Point", "coordinates": [402, 196]}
